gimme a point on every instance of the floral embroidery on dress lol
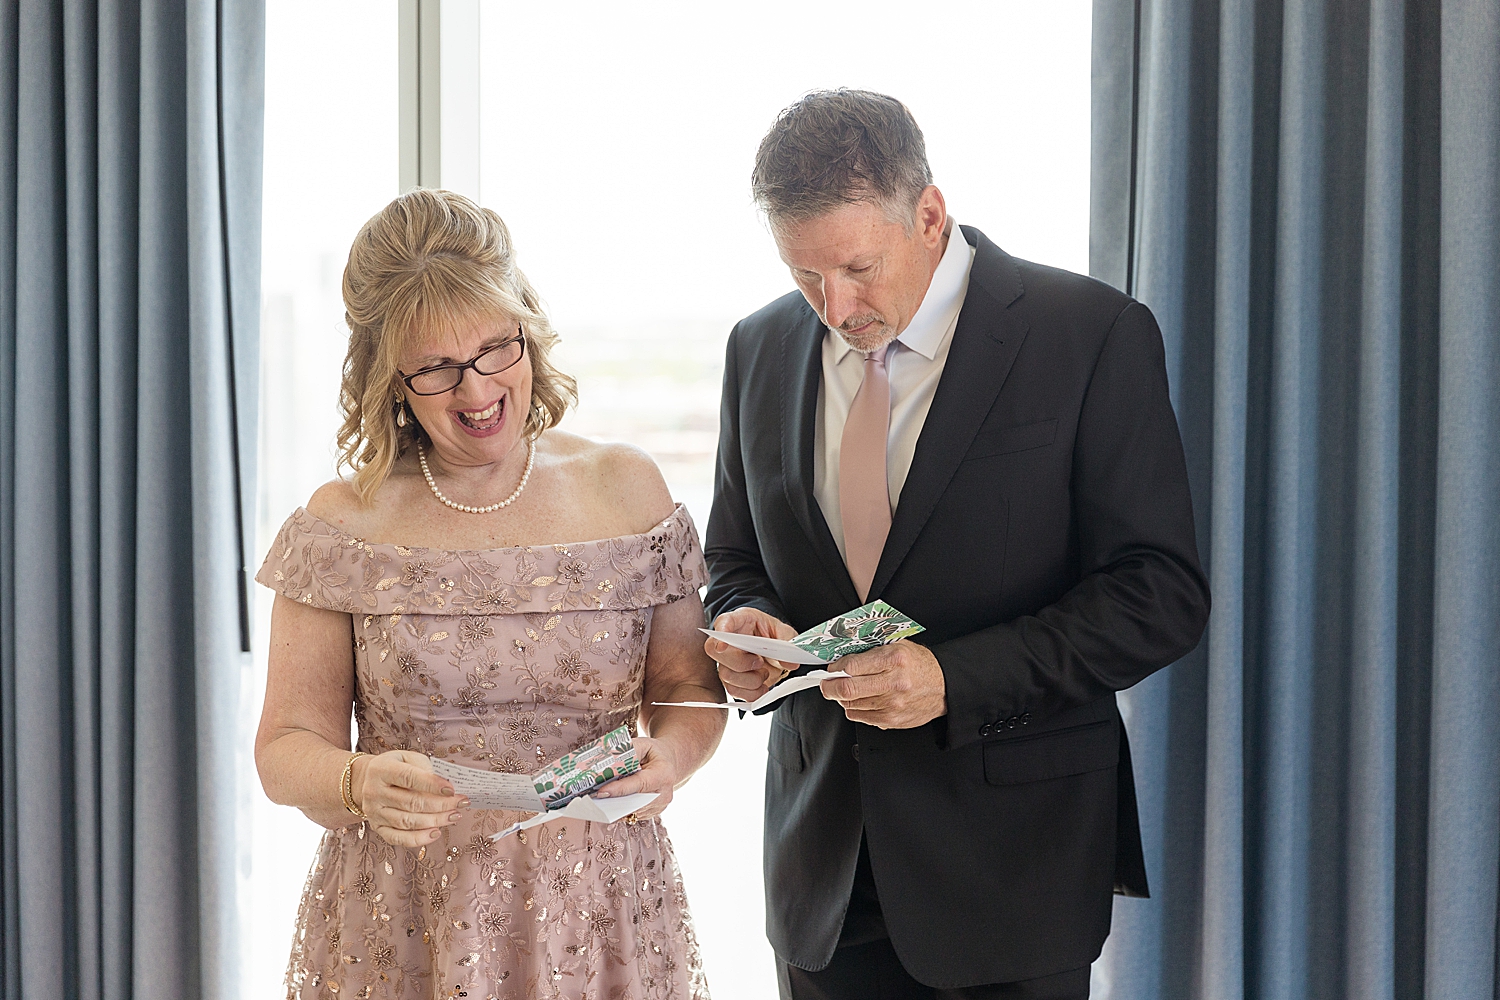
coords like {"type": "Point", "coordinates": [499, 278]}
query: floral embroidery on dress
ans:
{"type": "Point", "coordinates": [499, 658]}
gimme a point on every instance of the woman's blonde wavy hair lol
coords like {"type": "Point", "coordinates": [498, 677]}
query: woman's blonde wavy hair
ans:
{"type": "Point", "coordinates": [429, 262]}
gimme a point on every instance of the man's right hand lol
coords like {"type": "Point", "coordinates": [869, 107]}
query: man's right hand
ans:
{"type": "Point", "coordinates": [745, 675]}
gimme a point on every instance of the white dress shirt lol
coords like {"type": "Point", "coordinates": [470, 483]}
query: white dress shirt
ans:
{"type": "Point", "coordinates": [914, 368]}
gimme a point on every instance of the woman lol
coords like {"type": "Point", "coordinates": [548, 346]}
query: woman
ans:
{"type": "Point", "coordinates": [448, 592]}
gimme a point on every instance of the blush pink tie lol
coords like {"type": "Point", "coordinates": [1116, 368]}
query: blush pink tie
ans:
{"type": "Point", "coordinates": [864, 493]}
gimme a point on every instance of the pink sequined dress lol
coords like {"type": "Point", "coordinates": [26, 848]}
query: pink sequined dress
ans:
{"type": "Point", "coordinates": [503, 659]}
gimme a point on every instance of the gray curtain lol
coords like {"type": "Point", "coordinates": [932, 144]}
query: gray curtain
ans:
{"type": "Point", "coordinates": [130, 135]}
{"type": "Point", "coordinates": [1307, 192]}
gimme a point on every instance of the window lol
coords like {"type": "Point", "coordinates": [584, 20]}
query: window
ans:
{"type": "Point", "coordinates": [617, 143]}
{"type": "Point", "coordinates": [330, 163]}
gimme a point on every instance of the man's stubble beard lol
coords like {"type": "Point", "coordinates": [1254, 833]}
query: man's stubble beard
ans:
{"type": "Point", "coordinates": [867, 342]}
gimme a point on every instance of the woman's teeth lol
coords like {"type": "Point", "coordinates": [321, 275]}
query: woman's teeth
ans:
{"type": "Point", "coordinates": [483, 419]}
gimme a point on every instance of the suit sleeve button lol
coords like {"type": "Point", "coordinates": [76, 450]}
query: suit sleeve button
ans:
{"type": "Point", "coordinates": [1026, 718]}
{"type": "Point", "coordinates": [984, 730]}
{"type": "Point", "coordinates": [855, 750]}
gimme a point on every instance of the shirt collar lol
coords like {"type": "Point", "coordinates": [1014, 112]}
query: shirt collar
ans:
{"type": "Point", "coordinates": [944, 298]}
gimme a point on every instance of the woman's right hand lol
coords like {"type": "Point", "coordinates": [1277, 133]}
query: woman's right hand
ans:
{"type": "Point", "coordinates": [405, 802]}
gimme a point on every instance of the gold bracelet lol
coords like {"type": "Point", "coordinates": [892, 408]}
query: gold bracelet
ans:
{"type": "Point", "coordinates": [346, 785]}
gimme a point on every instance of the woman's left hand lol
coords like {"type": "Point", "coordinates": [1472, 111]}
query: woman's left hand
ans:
{"type": "Point", "coordinates": [658, 773]}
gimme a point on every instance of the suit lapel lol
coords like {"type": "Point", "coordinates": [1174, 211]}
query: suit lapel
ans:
{"type": "Point", "coordinates": [984, 347]}
{"type": "Point", "coordinates": [801, 374]}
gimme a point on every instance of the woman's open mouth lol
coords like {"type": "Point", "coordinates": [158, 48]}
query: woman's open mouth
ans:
{"type": "Point", "coordinates": [482, 421]}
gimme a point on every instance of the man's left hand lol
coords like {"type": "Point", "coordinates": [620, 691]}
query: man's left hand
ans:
{"type": "Point", "coordinates": [899, 686]}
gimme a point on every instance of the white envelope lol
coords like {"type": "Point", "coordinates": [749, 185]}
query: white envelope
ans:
{"type": "Point", "coordinates": [775, 649]}
{"type": "Point", "coordinates": [585, 807]}
{"type": "Point", "coordinates": [790, 686]}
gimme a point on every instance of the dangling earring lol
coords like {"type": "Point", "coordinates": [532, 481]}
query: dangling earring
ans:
{"type": "Point", "coordinates": [401, 413]}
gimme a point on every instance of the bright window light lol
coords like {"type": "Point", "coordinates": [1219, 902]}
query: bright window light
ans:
{"type": "Point", "coordinates": [330, 164]}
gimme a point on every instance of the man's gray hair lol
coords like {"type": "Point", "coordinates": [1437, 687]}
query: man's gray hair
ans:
{"type": "Point", "coordinates": [838, 147]}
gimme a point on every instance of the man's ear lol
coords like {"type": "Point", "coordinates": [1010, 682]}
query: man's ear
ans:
{"type": "Point", "coordinates": [932, 216]}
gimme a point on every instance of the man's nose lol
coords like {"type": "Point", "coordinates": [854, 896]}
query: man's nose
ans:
{"type": "Point", "coordinates": [838, 302]}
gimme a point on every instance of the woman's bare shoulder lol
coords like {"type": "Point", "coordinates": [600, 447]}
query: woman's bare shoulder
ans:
{"type": "Point", "coordinates": [339, 504]}
{"type": "Point", "coordinates": [620, 476]}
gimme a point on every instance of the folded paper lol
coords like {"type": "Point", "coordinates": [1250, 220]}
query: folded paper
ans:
{"type": "Point", "coordinates": [609, 757]}
{"type": "Point", "coordinates": [789, 686]}
{"type": "Point", "coordinates": [772, 649]}
{"type": "Point", "coordinates": [585, 807]}
{"type": "Point", "coordinates": [573, 774]}
{"type": "Point", "coordinates": [864, 628]}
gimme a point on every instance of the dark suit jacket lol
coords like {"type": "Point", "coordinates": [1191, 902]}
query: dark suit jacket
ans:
{"type": "Point", "coordinates": [1045, 539]}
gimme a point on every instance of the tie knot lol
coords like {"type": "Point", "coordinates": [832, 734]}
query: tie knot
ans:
{"type": "Point", "coordinates": [878, 357]}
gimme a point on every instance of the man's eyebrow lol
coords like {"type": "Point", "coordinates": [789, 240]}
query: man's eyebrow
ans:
{"type": "Point", "coordinates": [864, 260]}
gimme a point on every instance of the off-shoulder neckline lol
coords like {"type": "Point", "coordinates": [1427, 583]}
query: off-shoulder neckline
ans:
{"type": "Point", "coordinates": [678, 511]}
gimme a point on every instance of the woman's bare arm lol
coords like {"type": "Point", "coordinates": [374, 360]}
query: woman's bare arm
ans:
{"type": "Point", "coordinates": [677, 741]}
{"type": "Point", "coordinates": [303, 741]}
{"type": "Point", "coordinates": [677, 669]}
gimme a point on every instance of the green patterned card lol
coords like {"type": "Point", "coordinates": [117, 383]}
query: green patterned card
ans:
{"type": "Point", "coordinates": [864, 628]}
{"type": "Point", "coordinates": [609, 757]}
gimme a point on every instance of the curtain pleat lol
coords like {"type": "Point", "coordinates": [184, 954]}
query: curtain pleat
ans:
{"type": "Point", "coordinates": [10, 867]}
{"type": "Point", "coordinates": [1218, 957]}
{"type": "Point", "coordinates": [45, 699]}
{"type": "Point", "coordinates": [129, 250]}
{"type": "Point", "coordinates": [1464, 849]}
{"type": "Point", "coordinates": [224, 46]}
{"type": "Point", "coordinates": [165, 729]}
{"type": "Point", "coordinates": [1287, 779]}
{"type": "Point", "coordinates": [1307, 193]}
{"type": "Point", "coordinates": [119, 292]}
{"type": "Point", "coordinates": [1373, 698]}
{"type": "Point", "coordinates": [80, 130]}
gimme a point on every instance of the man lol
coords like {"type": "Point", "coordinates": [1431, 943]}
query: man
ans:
{"type": "Point", "coordinates": [988, 445]}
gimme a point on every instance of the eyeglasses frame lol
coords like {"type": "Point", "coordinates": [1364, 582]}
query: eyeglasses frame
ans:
{"type": "Point", "coordinates": [471, 363]}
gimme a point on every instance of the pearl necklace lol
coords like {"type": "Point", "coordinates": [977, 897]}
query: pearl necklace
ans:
{"type": "Point", "coordinates": [427, 474]}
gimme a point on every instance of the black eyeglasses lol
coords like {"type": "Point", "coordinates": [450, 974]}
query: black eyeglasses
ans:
{"type": "Point", "coordinates": [439, 379]}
